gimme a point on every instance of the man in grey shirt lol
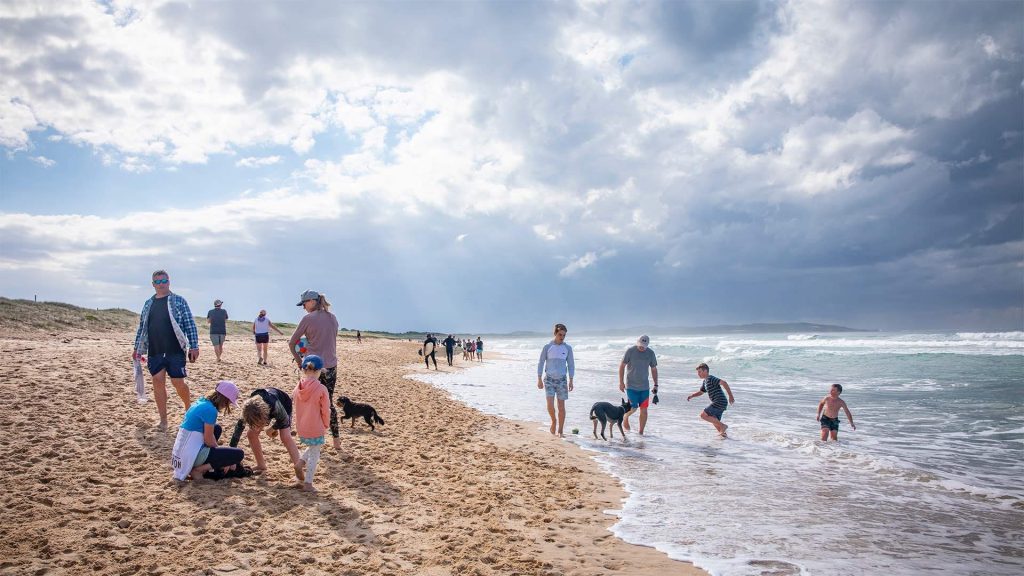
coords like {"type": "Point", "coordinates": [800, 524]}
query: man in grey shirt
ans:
{"type": "Point", "coordinates": [217, 318]}
{"type": "Point", "coordinates": [636, 385]}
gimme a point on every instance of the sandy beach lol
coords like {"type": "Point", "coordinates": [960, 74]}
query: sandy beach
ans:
{"type": "Point", "coordinates": [441, 489]}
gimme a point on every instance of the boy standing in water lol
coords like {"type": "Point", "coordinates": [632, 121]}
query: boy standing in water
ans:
{"type": "Point", "coordinates": [830, 419]}
{"type": "Point", "coordinates": [713, 386]}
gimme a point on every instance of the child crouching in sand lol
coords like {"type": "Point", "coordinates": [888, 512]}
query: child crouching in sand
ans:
{"type": "Point", "coordinates": [196, 448]}
{"type": "Point", "coordinates": [268, 407]}
{"type": "Point", "coordinates": [312, 415]}
{"type": "Point", "coordinates": [830, 419]}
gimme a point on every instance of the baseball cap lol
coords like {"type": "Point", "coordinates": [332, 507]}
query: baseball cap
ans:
{"type": "Point", "coordinates": [316, 361]}
{"type": "Point", "coordinates": [218, 302]}
{"type": "Point", "coordinates": [644, 341]}
{"type": "Point", "coordinates": [229, 390]}
{"type": "Point", "coordinates": [308, 295]}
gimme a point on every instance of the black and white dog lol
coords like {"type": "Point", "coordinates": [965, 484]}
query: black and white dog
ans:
{"type": "Point", "coordinates": [355, 410]}
{"type": "Point", "coordinates": [608, 412]}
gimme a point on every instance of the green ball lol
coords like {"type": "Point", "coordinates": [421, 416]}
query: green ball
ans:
{"type": "Point", "coordinates": [575, 430]}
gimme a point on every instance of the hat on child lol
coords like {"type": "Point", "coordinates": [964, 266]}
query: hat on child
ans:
{"type": "Point", "coordinates": [312, 362]}
{"type": "Point", "coordinates": [228, 389]}
{"type": "Point", "coordinates": [308, 295]}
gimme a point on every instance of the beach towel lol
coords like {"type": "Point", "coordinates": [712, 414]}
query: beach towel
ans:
{"type": "Point", "coordinates": [140, 380]}
{"type": "Point", "coordinates": [186, 447]}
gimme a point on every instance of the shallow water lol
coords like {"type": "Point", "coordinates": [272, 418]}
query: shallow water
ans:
{"type": "Point", "coordinates": [929, 482]}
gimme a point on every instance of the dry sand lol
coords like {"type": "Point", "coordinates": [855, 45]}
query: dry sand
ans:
{"type": "Point", "coordinates": [440, 489]}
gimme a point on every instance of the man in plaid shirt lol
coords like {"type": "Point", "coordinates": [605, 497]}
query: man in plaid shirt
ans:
{"type": "Point", "coordinates": [167, 332]}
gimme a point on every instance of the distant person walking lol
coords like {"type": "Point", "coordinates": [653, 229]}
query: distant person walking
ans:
{"type": "Point", "coordinates": [167, 332]}
{"type": "Point", "coordinates": [449, 349]}
{"type": "Point", "coordinates": [320, 327]}
{"type": "Point", "coordinates": [479, 349]}
{"type": "Point", "coordinates": [557, 367]}
{"type": "Point", "coordinates": [713, 386]}
{"type": "Point", "coordinates": [217, 318]}
{"type": "Point", "coordinates": [638, 359]}
{"type": "Point", "coordinates": [430, 350]}
{"type": "Point", "coordinates": [261, 328]}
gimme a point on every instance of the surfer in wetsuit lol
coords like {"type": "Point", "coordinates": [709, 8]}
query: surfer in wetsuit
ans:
{"type": "Point", "coordinates": [430, 350]}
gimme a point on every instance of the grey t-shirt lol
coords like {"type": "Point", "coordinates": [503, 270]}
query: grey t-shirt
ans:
{"type": "Point", "coordinates": [637, 363]}
{"type": "Point", "coordinates": [218, 318]}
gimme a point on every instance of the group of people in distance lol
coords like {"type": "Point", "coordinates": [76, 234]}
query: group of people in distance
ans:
{"type": "Point", "coordinates": [556, 369]}
{"type": "Point", "coordinates": [429, 349]}
{"type": "Point", "coordinates": [167, 339]}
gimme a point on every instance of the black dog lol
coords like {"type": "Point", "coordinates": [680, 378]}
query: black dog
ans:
{"type": "Point", "coordinates": [354, 410]}
{"type": "Point", "coordinates": [605, 412]}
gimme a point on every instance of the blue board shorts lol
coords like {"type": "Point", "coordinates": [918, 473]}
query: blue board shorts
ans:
{"type": "Point", "coordinates": [556, 388]}
{"type": "Point", "coordinates": [715, 411]}
{"type": "Point", "coordinates": [638, 398]}
{"type": "Point", "coordinates": [830, 423]}
{"type": "Point", "coordinates": [217, 339]}
{"type": "Point", "coordinates": [173, 363]}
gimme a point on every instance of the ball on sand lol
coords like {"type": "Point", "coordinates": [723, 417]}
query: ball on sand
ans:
{"type": "Point", "coordinates": [575, 430]}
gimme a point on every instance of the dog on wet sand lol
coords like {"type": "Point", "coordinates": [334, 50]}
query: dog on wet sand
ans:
{"type": "Point", "coordinates": [608, 412]}
{"type": "Point", "coordinates": [355, 410]}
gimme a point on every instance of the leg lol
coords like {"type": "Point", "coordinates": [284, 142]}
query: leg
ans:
{"type": "Point", "coordinates": [551, 413]}
{"type": "Point", "coordinates": [824, 434]}
{"type": "Point", "coordinates": [328, 378]}
{"type": "Point", "coordinates": [835, 435]}
{"type": "Point", "coordinates": [625, 418]}
{"type": "Point", "coordinates": [561, 417]}
{"type": "Point", "coordinates": [643, 419]}
{"type": "Point", "coordinates": [182, 389]}
{"type": "Point", "coordinates": [713, 421]}
{"type": "Point", "coordinates": [222, 457]}
{"type": "Point", "coordinates": [218, 349]}
{"type": "Point", "coordinates": [312, 458]}
{"type": "Point", "coordinates": [160, 393]}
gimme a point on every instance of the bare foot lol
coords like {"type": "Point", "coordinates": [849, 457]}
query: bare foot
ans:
{"type": "Point", "coordinates": [299, 473]}
{"type": "Point", "coordinates": [552, 427]}
{"type": "Point", "coordinates": [308, 487]}
{"type": "Point", "coordinates": [560, 435]}
{"type": "Point", "coordinates": [337, 443]}
{"type": "Point", "coordinates": [161, 426]}
{"type": "Point", "coordinates": [257, 471]}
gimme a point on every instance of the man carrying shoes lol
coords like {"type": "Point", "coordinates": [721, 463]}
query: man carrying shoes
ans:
{"type": "Point", "coordinates": [636, 385]}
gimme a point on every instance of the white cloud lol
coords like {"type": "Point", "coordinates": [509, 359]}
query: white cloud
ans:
{"type": "Point", "coordinates": [255, 161]}
{"type": "Point", "coordinates": [43, 161]}
{"type": "Point", "coordinates": [461, 237]}
{"type": "Point", "coordinates": [584, 262]}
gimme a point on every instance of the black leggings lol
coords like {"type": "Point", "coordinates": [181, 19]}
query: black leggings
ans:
{"type": "Point", "coordinates": [328, 378]}
{"type": "Point", "coordinates": [451, 356]}
{"type": "Point", "coordinates": [222, 456]}
{"type": "Point", "coordinates": [426, 359]}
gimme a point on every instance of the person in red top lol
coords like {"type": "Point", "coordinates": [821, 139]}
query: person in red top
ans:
{"type": "Point", "coordinates": [312, 415]}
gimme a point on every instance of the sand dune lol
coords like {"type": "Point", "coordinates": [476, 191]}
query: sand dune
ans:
{"type": "Point", "coordinates": [441, 489]}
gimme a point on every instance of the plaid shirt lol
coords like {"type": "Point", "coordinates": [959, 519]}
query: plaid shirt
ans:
{"type": "Point", "coordinates": [182, 322]}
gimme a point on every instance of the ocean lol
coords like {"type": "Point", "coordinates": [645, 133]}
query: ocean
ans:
{"type": "Point", "coordinates": [930, 482]}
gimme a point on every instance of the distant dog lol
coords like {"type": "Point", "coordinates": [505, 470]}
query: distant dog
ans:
{"type": "Point", "coordinates": [354, 410]}
{"type": "Point", "coordinates": [608, 412]}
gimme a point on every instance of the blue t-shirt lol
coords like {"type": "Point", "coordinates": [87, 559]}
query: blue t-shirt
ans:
{"type": "Point", "coordinates": [201, 413]}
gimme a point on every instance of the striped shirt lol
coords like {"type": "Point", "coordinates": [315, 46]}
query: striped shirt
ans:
{"type": "Point", "coordinates": [714, 389]}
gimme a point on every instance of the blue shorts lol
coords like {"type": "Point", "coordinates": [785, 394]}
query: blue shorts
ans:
{"type": "Point", "coordinates": [556, 388]}
{"type": "Point", "coordinates": [715, 411]}
{"type": "Point", "coordinates": [173, 363]}
{"type": "Point", "coordinates": [638, 398]}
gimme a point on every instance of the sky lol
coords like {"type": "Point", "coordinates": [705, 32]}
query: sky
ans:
{"type": "Point", "coordinates": [498, 166]}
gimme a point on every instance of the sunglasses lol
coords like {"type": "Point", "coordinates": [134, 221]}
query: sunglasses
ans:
{"type": "Point", "coordinates": [158, 282]}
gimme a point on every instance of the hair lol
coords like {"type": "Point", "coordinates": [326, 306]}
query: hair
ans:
{"type": "Point", "coordinates": [220, 401]}
{"type": "Point", "coordinates": [160, 272]}
{"type": "Point", "coordinates": [838, 387]}
{"type": "Point", "coordinates": [255, 411]}
{"type": "Point", "coordinates": [323, 304]}
{"type": "Point", "coordinates": [702, 366]}
{"type": "Point", "coordinates": [561, 327]}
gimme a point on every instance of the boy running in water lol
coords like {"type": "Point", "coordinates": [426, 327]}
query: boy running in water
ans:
{"type": "Point", "coordinates": [713, 386]}
{"type": "Point", "coordinates": [830, 419]}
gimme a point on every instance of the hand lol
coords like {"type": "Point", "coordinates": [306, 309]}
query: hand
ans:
{"type": "Point", "coordinates": [540, 383]}
{"type": "Point", "coordinates": [193, 355]}
{"type": "Point", "coordinates": [731, 400]}
{"type": "Point", "coordinates": [688, 397]}
{"type": "Point", "coordinates": [570, 385]}
{"type": "Point", "coordinates": [136, 355]}
{"type": "Point", "coordinates": [852, 425]}
{"type": "Point", "coordinates": [622, 387]}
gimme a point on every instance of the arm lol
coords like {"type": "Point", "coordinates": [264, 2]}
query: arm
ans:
{"type": "Point", "coordinates": [725, 385]}
{"type": "Point", "coordinates": [257, 448]}
{"type": "Point", "coordinates": [848, 415]}
{"type": "Point", "coordinates": [191, 333]}
{"type": "Point", "coordinates": [540, 366]}
{"type": "Point", "coordinates": [622, 373]}
{"type": "Point", "coordinates": [821, 405]}
{"type": "Point", "coordinates": [295, 411]}
{"type": "Point", "coordinates": [571, 364]}
{"type": "Point", "coordinates": [254, 327]}
{"type": "Point", "coordinates": [294, 339]}
{"type": "Point", "coordinates": [654, 376]}
{"type": "Point", "coordinates": [138, 332]}
{"type": "Point", "coordinates": [325, 408]}
{"type": "Point", "coordinates": [694, 395]}
{"type": "Point", "coordinates": [208, 438]}
{"type": "Point", "coordinates": [275, 328]}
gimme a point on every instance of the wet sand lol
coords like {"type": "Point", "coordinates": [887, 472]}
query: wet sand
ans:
{"type": "Point", "coordinates": [440, 489]}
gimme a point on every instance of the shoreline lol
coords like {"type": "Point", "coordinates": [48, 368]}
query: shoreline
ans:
{"type": "Point", "coordinates": [440, 489]}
